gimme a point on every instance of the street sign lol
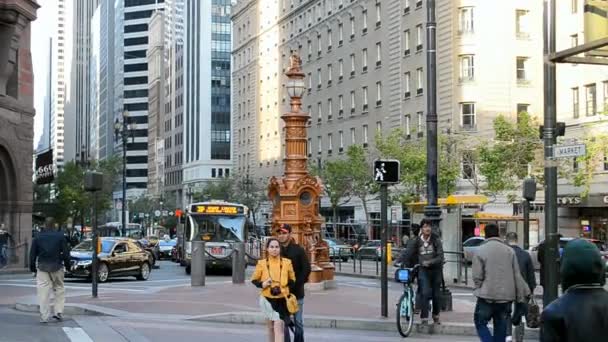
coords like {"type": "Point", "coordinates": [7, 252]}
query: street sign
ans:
{"type": "Point", "coordinates": [568, 151]}
{"type": "Point", "coordinates": [157, 213]}
{"type": "Point", "coordinates": [165, 212]}
{"type": "Point", "coordinates": [386, 171]}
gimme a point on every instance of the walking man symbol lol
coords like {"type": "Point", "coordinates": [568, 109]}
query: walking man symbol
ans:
{"type": "Point", "coordinates": [380, 173]}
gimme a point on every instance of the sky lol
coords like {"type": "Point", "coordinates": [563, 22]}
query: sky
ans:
{"type": "Point", "coordinates": [42, 29]}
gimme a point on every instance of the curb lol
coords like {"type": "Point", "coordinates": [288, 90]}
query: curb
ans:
{"type": "Point", "coordinates": [347, 323]}
{"type": "Point", "coordinates": [72, 309]}
{"type": "Point", "coordinates": [12, 271]}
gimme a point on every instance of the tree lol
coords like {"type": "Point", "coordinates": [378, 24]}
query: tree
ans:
{"type": "Point", "coordinates": [596, 153]}
{"type": "Point", "coordinates": [360, 177]}
{"type": "Point", "coordinates": [336, 182]}
{"type": "Point", "coordinates": [222, 189]}
{"type": "Point", "coordinates": [250, 193]}
{"type": "Point", "coordinates": [506, 161]}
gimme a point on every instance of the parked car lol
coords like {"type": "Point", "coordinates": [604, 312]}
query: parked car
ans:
{"type": "Point", "coordinates": [338, 249]}
{"type": "Point", "coordinates": [119, 257]}
{"type": "Point", "coordinates": [165, 248]}
{"type": "Point", "coordinates": [470, 247]}
{"type": "Point", "coordinates": [371, 250]}
{"type": "Point", "coordinates": [562, 243]}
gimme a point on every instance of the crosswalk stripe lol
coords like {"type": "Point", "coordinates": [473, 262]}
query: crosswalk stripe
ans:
{"type": "Point", "coordinates": [77, 334]}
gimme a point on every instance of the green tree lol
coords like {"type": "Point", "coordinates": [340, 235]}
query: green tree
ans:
{"type": "Point", "coordinates": [336, 182]}
{"type": "Point", "coordinates": [506, 161]}
{"type": "Point", "coordinates": [221, 189]}
{"type": "Point", "coordinates": [596, 150]}
{"type": "Point", "coordinates": [360, 176]}
{"type": "Point", "coordinates": [250, 193]}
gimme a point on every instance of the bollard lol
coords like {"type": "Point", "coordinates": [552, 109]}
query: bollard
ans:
{"type": "Point", "coordinates": [238, 263]}
{"type": "Point", "coordinates": [197, 264]}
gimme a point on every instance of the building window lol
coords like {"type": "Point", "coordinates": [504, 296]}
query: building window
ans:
{"type": "Point", "coordinates": [522, 108]}
{"type": "Point", "coordinates": [420, 126]}
{"type": "Point", "coordinates": [407, 121]}
{"type": "Point", "coordinates": [590, 98]}
{"type": "Point", "coordinates": [309, 81]}
{"type": "Point", "coordinates": [320, 78]}
{"type": "Point", "coordinates": [406, 7]}
{"type": "Point", "coordinates": [406, 86]}
{"type": "Point", "coordinates": [605, 89]}
{"type": "Point", "coordinates": [378, 54]}
{"type": "Point", "coordinates": [574, 40]}
{"type": "Point", "coordinates": [466, 20]}
{"type": "Point", "coordinates": [320, 144]}
{"type": "Point", "coordinates": [213, 173]}
{"type": "Point", "coordinates": [468, 165]}
{"type": "Point", "coordinates": [329, 109]}
{"type": "Point", "coordinates": [467, 68]}
{"type": "Point", "coordinates": [340, 69]}
{"type": "Point", "coordinates": [319, 111]}
{"type": "Point", "coordinates": [419, 84]}
{"type": "Point", "coordinates": [419, 37]}
{"type": "Point", "coordinates": [352, 27]}
{"type": "Point", "coordinates": [468, 120]}
{"type": "Point", "coordinates": [309, 147]}
{"type": "Point", "coordinates": [319, 45]}
{"type": "Point", "coordinates": [329, 40]}
{"type": "Point", "coordinates": [340, 33]}
{"type": "Point", "coordinates": [364, 62]}
{"type": "Point", "coordinates": [341, 104]}
{"type": "Point", "coordinates": [575, 103]}
{"type": "Point", "coordinates": [341, 140]}
{"type": "Point", "coordinates": [364, 135]}
{"type": "Point", "coordinates": [378, 126]}
{"type": "Point", "coordinates": [365, 99]}
{"type": "Point", "coordinates": [364, 14]}
{"type": "Point", "coordinates": [574, 6]}
{"type": "Point", "coordinates": [309, 49]}
{"type": "Point", "coordinates": [353, 137]}
{"type": "Point", "coordinates": [605, 162]}
{"type": "Point", "coordinates": [522, 25]}
{"type": "Point", "coordinates": [378, 93]}
{"type": "Point", "coordinates": [329, 72]}
{"type": "Point", "coordinates": [330, 143]}
{"type": "Point", "coordinates": [406, 43]}
{"type": "Point", "coordinates": [352, 64]}
{"type": "Point", "coordinates": [352, 101]}
{"type": "Point", "coordinates": [574, 164]}
{"type": "Point", "coordinates": [521, 69]}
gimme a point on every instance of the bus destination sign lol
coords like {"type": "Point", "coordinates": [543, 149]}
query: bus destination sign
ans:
{"type": "Point", "coordinates": [217, 209]}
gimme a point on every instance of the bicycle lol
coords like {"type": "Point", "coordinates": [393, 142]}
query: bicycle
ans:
{"type": "Point", "coordinates": [406, 304]}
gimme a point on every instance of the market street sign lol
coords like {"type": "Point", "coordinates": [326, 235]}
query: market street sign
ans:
{"type": "Point", "coordinates": [568, 151]}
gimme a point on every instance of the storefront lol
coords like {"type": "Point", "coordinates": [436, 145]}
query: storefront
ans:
{"type": "Point", "coordinates": [584, 217]}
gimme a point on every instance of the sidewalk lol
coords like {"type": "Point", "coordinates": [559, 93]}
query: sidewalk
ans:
{"type": "Point", "coordinates": [346, 307]}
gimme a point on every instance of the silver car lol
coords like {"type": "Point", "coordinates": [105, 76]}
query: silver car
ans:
{"type": "Point", "coordinates": [471, 246]}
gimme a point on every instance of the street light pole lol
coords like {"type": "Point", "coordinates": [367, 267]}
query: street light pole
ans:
{"type": "Point", "coordinates": [122, 131]}
{"type": "Point", "coordinates": [549, 136]}
{"type": "Point", "coordinates": [431, 211]}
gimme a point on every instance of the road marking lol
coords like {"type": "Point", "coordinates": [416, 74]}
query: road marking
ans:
{"type": "Point", "coordinates": [70, 287]}
{"type": "Point", "coordinates": [77, 335]}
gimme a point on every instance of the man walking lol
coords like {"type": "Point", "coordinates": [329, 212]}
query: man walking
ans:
{"type": "Point", "coordinates": [579, 315]}
{"type": "Point", "coordinates": [498, 284]}
{"type": "Point", "coordinates": [48, 255]}
{"type": "Point", "coordinates": [526, 268]}
{"type": "Point", "coordinates": [301, 267]}
{"type": "Point", "coordinates": [4, 238]}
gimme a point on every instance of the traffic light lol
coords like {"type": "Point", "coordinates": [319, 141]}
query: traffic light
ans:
{"type": "Point", "coordinates": [386, 171]}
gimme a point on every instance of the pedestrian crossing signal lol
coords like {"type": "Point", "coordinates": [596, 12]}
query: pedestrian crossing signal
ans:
{"type": "Point", "coordinates": [386, 171]}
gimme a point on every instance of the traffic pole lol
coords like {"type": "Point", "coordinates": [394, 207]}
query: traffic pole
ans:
{"type": "Point", "coordinates": [384, 237]}
{"type": "Point", "coordinates": [94, 261]}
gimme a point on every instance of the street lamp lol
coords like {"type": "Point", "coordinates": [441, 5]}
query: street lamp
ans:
{"type": "Point", "coordinates": [189, 193]}
{"type": "Point", "coordinates": [124, 130]}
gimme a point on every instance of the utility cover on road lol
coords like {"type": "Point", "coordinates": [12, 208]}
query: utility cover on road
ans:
{"type": "Point", "coordinates": [568, 151]}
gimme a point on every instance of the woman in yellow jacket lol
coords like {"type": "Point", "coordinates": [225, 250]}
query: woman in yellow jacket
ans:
{"type": "Point", "coordinates": [274, 275]}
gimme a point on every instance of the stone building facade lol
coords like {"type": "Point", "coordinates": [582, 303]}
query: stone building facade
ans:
{"type": "Point", "coordinates": [16, 126]}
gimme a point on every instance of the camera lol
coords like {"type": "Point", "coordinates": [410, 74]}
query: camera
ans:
{"type": "Point", "coordinates": [275, 290]}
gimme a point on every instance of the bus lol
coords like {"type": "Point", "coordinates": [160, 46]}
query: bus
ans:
{"type": "Point", "coordinates": [219, 224]}
{"type": "Point", "coordinates": [134, 230]}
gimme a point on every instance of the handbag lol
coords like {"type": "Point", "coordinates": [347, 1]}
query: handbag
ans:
{"type": "Point", "coordinates": [292, 303]}
{"type": "Point", "coordinates": [533, 314]}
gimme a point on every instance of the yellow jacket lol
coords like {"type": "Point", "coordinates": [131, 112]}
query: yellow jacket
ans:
{"type": "Point", "coordinates": [283, 279]}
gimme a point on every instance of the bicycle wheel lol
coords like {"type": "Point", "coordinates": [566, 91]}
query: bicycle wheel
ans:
{"type": "Point", "coordinates": [405, 313]}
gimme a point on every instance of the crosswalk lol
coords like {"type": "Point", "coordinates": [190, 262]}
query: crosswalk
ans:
{"type": "Point", "coordinates": [77, 334]}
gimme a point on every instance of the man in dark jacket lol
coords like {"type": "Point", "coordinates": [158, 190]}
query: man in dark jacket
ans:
{"type": "Point", "coordinates": [579, 315]}
{"type": "Point", "coordinates": [526, 268]}
{"type": "Point", "coordinates": [427, 250]}
{"type": "Point", "coordinates": [48, 255]}
{"type": "Point", "coordinates": [301, 267]}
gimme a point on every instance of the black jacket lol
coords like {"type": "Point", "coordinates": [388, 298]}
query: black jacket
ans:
{"type": "Point", "coordinates": [51, 250]}
{"type": "Point", "coordinates": [409, 256]}
{"type": "Point", "coordinates": [301, 267]}
{"type": "Point", "coordinates": [526, 268]}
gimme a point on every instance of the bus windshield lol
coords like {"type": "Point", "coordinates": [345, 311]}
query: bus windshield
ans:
{"type": "Point", "coordinates": [218, 228]}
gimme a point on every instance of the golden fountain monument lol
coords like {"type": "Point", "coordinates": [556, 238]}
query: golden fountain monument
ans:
{"type": "Point", "coordinates": [296, 195]}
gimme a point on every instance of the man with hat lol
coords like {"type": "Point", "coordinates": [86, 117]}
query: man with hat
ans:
{"type": "Point", "coordinates": [301, 267]}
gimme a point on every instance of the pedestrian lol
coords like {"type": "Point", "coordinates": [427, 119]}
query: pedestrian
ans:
{"type": "Point", "coordinates": [426, 250]}
{"type": "Point", "coordinates": [579, 315]}
{"type": "Point", "coordinates": [526, 269]}
{"type": "Point", "coordinates": [301, 267]}
{"type": "Point", "coordinates": [274, 275]}
{"type": "Point", "coordinates": [498, 283]}
{"type": "Point", "coordinates": [48, 256]}
{"type": "Point", "coordinates": [409, 259]}
{"type": "Point", "coordinates": [4, 238]}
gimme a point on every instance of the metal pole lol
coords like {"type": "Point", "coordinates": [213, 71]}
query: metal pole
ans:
{"type": "Point", "coordinates": [431, 211]}
{"type": "Point", "coordinates": [95, 261]}
{"type": "Point", "coordinates": [526, 208]}
{"type": "Point", "coordinates": [238, 263]}
{"type": "Point", "coordinates": [551, 243]}
{"type": "Point", "coordinates": [197, 264]}
{"type": "Point", "coordinates": [124, 180]}
{"type": "Point", "coordinates": [384, 232]}
{"type": "Point", "coordinates": [319, 165]}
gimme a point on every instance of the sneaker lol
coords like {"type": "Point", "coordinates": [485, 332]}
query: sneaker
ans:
{"type": "Point", "coordinates": [509, 339]}
{"type": "Point", "coordinates": [58, 317]}
{"type": "Point", "coordinates": [44, 321]}
{"type": "Point", "coordinates": [436, 319]}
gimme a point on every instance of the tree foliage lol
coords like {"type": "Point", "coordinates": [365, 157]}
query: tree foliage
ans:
{"type": "Point", "coordinates": [589, 164]}
{"type": "Point", "coordinates": [362, 184]}
{"type": "Point", "coordinates": [336, 182]}
{"type": "Point", "coordinates": [221, 189]}
{"type": "Point", "coordinates": [506, 161]}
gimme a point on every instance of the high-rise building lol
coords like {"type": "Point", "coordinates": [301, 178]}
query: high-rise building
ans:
{"type": "Point", "coordinates": [207, 91]}
{"type": "Point", "coordinates": [131, 85]}
{"type": "Point", "coordinates": [44, 140]}
{"type": "Point", "coordinates": [61, 65]}
{"type": "Point", "coordinates": [365, 66]}
{"type": "Point", "coordinates": [156, 103]}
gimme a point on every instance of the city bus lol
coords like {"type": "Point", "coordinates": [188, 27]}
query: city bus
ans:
{"type": "Point", "coordinates": [112, 229]}
{"type": "Point", "coordinates": [219, 224]}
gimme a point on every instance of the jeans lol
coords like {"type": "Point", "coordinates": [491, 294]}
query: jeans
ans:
{"type": "Point", "coordinates": [519, 311]}
{"type": "Point", "coordinates": [499, 313]}
{"type": "Point", "coordinates": [298, 320]}
{"type": "Point", "coordinates": [430, 283]}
